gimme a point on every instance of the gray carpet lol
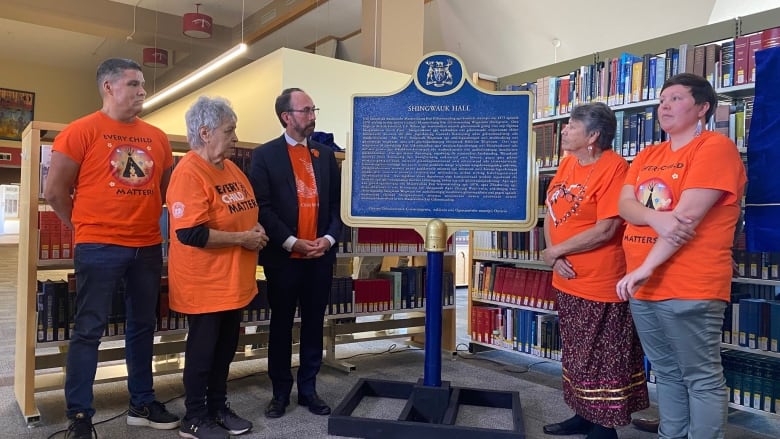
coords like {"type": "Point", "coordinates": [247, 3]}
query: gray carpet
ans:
{"type": "Point", "coordinates": [249, 391]}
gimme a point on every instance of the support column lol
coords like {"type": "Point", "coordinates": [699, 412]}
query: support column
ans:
{"type": "Point", "coordinates": [393, 33]}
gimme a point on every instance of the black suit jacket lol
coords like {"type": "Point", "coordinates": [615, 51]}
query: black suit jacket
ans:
{"type": "Point", "coordinates": [273, 182]}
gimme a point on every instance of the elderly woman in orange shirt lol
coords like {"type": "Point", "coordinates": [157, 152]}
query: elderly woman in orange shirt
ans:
{"type": "Point", "coordinates": [214, 243]}
{"type": "Point", "coordinates": [603, 373]}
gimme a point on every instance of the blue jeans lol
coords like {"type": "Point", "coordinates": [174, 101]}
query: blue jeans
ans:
{"type": "Point", "coordinates": [681, 338]}
{"type": "Point", "coordinates": [100, 270]}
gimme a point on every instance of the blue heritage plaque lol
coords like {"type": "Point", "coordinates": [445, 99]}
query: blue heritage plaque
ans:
{"type": "Point", "coordinates": [441, 148]}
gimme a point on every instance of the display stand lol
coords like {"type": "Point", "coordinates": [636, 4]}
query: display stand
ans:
{"type": "Point", "coordinates": [432, 406]}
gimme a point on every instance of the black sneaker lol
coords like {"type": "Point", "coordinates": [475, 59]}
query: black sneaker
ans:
{"type": "Point", "coordinates": [152, 415]}
{"type": "Point", "coordinates": [230, 421]}
{"type": "Point", "coordinates": [80, 427]}
{"type": "Point", "coordinates": [202, 429]}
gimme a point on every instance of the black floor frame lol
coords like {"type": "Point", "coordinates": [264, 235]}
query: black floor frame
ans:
{"type": "Point", "coordinates": [430, 412]}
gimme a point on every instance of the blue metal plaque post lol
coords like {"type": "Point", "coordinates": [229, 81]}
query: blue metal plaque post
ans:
{"type": "Point", "coordinates": [433, 302]}
{"type": "Point", "coordinates": [435, 243]}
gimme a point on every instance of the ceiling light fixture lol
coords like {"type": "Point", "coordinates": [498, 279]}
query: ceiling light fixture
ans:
{"type": "Point", "coordinates": [197, 25]}
{"type": "Point", "coordinates": [155, 57]}
{"type": "Point", "coordinates": [213, 65]}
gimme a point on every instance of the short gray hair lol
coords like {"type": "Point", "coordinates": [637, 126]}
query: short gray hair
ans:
{"type": "Point", "coordinates": [207, 112]}
{"type": "Point", "coordinates": [113, 68]}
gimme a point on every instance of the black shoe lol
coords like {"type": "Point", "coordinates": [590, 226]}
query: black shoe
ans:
{"type": "Point", "coordinates": [80, 427]}
{"type": "Point", "coordinates": [574, 425]}
{"type": "Point", "coordinates": [152, 415]}
{"type": "Point", "coordinates": [649, 425]}
{"type": "Point", "coordinates": [315, 404]}
{"type": "Point", "coordinates": [602, 432]}
{"type": "Point", "coordinates": [230, 421]}
{"type": "Point", "coordinates": [195, 428]}
{"type": "Point", "coordinates": [276, 407]}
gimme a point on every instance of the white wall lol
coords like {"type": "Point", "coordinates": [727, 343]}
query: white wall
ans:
{"type": "Point", "coordinates": [504, 37]}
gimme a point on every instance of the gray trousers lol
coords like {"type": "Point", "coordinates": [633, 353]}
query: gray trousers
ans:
{"type": "Point", "coordinates": [681, 338]}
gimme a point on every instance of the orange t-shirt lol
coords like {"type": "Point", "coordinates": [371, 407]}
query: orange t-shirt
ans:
{"type": "Point", "coordinates": [306, 187]}
{"type": "Point", "coordinates": [203, 280]}
{"type": "Point", "coordinates": [598, 184]}
{"type": "Point", "coordinates": [117, 196]}
{"type": "Point", "coordinates": [701, 269]}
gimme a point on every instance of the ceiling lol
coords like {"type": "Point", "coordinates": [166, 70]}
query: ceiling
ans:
{"type": "Point", "coordinates": [79, 34]}
{"type": "Point", "coordinates": [498, 37]}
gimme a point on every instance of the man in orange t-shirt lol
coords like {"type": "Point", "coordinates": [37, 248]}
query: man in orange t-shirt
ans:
{"type": "Point", "coordinates": [118, 168]}
{"type": "Point", "coordinates": [298, 187]}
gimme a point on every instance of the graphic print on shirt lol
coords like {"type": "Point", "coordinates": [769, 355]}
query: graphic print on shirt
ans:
{"type": "Point", "coordinates": [571, 194]}
{"type": "Point", "coordinates": [655, 194]}
{"type": "Point", "coordinates": [307, 187]}
{"type": "Point", "coordinates": [131, 166]}
{"type": "Point", "coordinates": [236, 196]}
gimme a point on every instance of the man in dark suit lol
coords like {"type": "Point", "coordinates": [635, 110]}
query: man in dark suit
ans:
{"type": "Point", "coordinates": [298, 186]}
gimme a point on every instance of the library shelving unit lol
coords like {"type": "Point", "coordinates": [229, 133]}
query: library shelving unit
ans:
{"type": "Point", "coordinates": [750, 371]}
{"type": "Point", "coordinates": [406, 323]}
{"type": "Point", "coordinates": [40, 366]}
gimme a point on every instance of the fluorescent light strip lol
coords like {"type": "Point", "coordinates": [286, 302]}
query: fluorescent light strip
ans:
{"type": "Point", "coordinates": [196, 75]}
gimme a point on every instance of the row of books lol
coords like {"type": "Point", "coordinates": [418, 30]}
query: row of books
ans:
{"type": "Point", "coordinates": [395, 290]}
{"type": "Point", "coordinates": [382, 240]}
{"type": "Point", "coordinates": [520, 330]}
{"type": "Point", "coordinates": [639, 128]}
{"type": "Point", "coordinates": [522, 246]}
{"type": "Point", "coordinates": [750, 325]}
{"type": "Point", "coordinates": [55, 239]}
{"type": "Point", "coordinates": [752, 380]}
{"type": "Point", "coordinates": [732, 119]}
{"type": "Point", "coordinates": [631, 78]}
{"type": "Point", "coordinates": [398, 289]}
{"type": "Point", "coordinates": [757, 265]}
{"type": "Point", "coordinates": [515, 286]}
{"type": "Point", "coordinates": [755, 323]}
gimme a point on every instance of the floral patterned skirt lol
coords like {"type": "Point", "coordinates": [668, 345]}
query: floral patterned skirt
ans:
{"type": "Point", "coordinates": [603, 362]}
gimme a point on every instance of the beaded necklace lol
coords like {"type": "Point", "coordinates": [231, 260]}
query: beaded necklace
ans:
{"type": "Point", "coordinates": [562, 190]}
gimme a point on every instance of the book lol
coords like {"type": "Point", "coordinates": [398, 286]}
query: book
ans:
{"type": "Point", "coordinates": [754, 45]}
{"type": "Point", "coordinates": [726, 64]}
{"type": "Point", "coordinates": [44, 168]}
{"type": "Point", "coordinates": [741, 67]}
{"type": "Point", "coordinates": [770, 38]}
{"type": "Point", "coordinates": [711, 57]}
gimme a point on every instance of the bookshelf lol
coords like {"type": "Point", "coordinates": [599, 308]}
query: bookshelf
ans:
{"type": "Point", "coordinates": [39, 365]}
{"type": "Point", "coordinates": [753, 384]}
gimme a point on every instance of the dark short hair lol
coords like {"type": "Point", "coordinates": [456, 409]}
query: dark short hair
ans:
{"type": "Point", "coordinates": [113, 68]}
{"type": "Point", "coordinates": [597, 118]}
{"type": "Point", "coordinates": [700, 89]}
{"type": "Point", "coordinates": [283, 103]}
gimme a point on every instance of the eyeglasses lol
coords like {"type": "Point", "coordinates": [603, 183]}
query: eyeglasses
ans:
{"type": "Point", "coordinates": [307, 111]}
